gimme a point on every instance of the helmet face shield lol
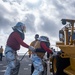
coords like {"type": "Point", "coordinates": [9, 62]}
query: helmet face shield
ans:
{"type": "Point", "coordinates": [23, 28]}
{"type": "Point", "coordinates": [20, 27]}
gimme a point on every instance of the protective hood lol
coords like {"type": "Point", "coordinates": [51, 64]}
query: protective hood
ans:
{"type": "Point", "coordinates": [19, 26]}
{"type": "Point", "coordinates": [43, 38]}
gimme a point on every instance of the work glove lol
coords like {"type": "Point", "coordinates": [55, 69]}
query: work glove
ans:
{"type": "Point", "coordinates": [32, 48]}
{"type": "Point", "coordinates": [54, 52]}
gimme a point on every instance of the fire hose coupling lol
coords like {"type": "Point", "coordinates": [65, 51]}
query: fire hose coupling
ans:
{"type": "Point", "coordinates": [32, 48]}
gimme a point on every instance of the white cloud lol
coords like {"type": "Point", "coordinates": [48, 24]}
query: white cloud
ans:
{"type": "Point", "coordinates": [42, 16]}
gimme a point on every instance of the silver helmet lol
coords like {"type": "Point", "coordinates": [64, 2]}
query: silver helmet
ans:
{"type": "Point", "coordinates": [43, 38]}
{"type": "Point", "coordinates": [20, 27]}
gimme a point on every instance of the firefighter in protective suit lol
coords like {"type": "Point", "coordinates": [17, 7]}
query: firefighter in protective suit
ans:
{"type": "Point", "coordinates": [30, 52]}
{"type": "Point", "coordinates": [13, 44]}
{"type": "Point", "coordinates": [41, 46]}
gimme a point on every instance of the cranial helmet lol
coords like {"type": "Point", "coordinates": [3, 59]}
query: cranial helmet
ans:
{"type": "Point", "coordinates": [20, 27]}
{"type": "Point", "coordinates": [44, 38]}
{"type": "Point", "coordinates": [36, 36]}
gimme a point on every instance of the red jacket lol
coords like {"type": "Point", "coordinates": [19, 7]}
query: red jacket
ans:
{"type": "Point", "coordinates": [43, 45]}
{"type": "Point", "coordinates": [14, 41]}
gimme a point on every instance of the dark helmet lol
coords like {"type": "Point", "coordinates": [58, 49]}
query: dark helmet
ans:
{"type": "Point", "coordinates": [36, 36]}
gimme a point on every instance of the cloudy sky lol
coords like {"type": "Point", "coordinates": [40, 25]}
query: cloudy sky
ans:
{"type": "Point", "coordinates": [40, 16]}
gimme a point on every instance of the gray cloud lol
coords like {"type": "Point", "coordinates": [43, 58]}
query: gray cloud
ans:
{"type": "Point", "coordinates": [62, 9]}
{"type": "Point", "coordinates": [12, 0]}
{"type": "Point", "coordinates": [4, 23]}
{"type": "Point", "coordinates": [34, 6]}
{"type": "Point", "coordinates": [65, 8]}
{"type": "Point", "coordinates": [29, 21]}
{"type": "Point", "coordinates": [58, 4]}
{"type": "Point", "coordinates": [7, 18]}
{"type": "Point", "coordinates": [3, 10]}
{"type": "Point", "coordinates": [48, 13]}
{"type": "Point", "coordinates": [49, 26]}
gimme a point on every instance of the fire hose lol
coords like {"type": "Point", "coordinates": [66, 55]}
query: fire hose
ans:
{"type": "Point", "coordinates": [23, 56]}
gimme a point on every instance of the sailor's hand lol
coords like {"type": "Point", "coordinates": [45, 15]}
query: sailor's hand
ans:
{"type": "Point", "coordinates": [31, 48]}
{"type": "Point", "coordinates": [54, 52]}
